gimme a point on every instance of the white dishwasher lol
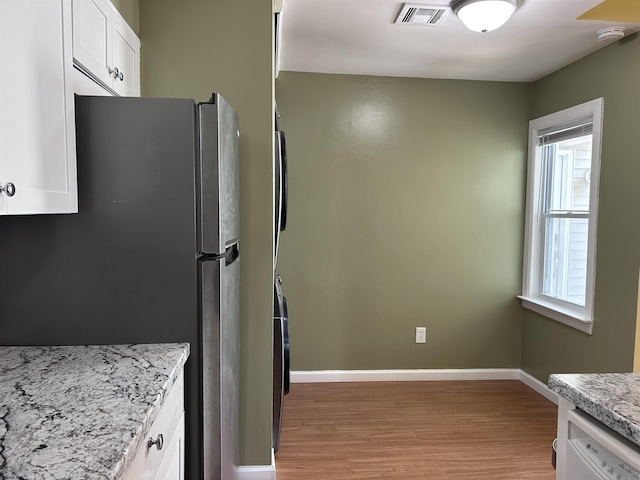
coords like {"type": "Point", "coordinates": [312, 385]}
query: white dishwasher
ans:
{"type": "Point", "coordinates": [595, 452]}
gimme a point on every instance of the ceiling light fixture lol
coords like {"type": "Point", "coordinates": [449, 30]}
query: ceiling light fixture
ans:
{"type": "Point", "coordinates": [484, 15]}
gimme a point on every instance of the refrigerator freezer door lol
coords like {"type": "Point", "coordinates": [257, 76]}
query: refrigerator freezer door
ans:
{"type": "Point", "coordinates": [218, 177]}
{"type": "Point", "coordinates": [220, 282]}
{"type": "Point", "coordinates": [230, 364]}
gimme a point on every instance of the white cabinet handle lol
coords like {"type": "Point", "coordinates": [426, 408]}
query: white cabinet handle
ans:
{"type": "Point", "coordinates": [9, 189]}
{"type": "Point", "coordinates": [158, 442]}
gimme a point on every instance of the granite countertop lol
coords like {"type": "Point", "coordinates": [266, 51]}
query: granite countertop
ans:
{"type": "Point", "coordinates": [80, 412]}
{"type": "Point", "coordinates": [611, 398]}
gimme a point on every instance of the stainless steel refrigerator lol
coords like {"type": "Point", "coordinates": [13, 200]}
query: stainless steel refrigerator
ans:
{"type": "Point", "coordinates": [152, 255]}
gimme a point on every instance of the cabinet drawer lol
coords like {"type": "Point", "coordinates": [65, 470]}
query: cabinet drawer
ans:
{"type": "Point", "coordinates": [147, 462]}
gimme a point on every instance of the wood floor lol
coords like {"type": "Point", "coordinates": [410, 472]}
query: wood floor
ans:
{"type": "Point", "coordinates": [481, 430]}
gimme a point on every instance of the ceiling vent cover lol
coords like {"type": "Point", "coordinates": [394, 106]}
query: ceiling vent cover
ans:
{"type": "Point", "coordinates": [412, 14]}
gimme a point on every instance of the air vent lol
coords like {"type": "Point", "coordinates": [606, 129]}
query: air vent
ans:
{"type": "Point", "coordinates": [413, 14]}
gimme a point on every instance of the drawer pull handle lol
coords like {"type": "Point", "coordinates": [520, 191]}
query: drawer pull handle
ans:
{"type": "Point", "coordinates": [158, 442]}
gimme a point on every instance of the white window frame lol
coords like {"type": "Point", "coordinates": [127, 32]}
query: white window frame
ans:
{"type": "Point", "coordinates": [570, 314]}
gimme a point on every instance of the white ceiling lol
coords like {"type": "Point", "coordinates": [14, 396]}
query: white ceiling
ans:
{"type": "Point", "coordinates": [360, 37]}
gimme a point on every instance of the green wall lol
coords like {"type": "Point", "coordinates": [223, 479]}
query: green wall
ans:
{"type": "Point", "coordinates": [549, 347]}
{"type": "Point", "coordinates": [406, 209]}
{"type": "Point", "coordinates": [130, 10]}
{"type": "Point", "coordinates": [191, 48]}
{"type": "Point", "coordinates": [406, 206]}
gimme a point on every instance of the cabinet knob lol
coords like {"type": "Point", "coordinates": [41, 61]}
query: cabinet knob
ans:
{"type": "Point", "coordinates": [117, 74]}
{"type": "Point", "coordinates": [9, 189]}
{"type": "Point", "coordinates": [158, 442]}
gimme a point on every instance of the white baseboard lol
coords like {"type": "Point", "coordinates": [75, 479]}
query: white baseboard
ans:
{"type": "Point", "coordinates": [415, 375]}
{"type": "Point", "coordinates": [257, 472]}
{"type": "Point", "coordinates": [535, 384]}
{"type": "Point", "coordinates": [424, 375]}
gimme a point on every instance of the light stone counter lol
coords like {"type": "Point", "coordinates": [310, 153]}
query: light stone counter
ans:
{"type": "Point", "coordinates": [80, 412]}
{"type": "Point", "coordinates": [611, 398]}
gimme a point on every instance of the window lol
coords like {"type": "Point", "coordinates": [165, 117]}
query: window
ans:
{"type": "Point", "coordinates": [561, 214]}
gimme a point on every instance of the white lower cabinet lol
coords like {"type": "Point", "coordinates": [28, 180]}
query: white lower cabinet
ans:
{"type": "Point", "coordinates": [161, 456]}
{"type": "Point", "coordinates": [172, 467]}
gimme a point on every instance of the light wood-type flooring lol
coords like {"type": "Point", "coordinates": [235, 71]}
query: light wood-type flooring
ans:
{"type": "Point", "coordinates": [481, 430]}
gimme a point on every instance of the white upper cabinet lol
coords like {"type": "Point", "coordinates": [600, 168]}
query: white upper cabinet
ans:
{"type": "Point", "coordinates": [91, 38]}
{"type": "Point", "coordinates": [37, 124]}
{"type": "Point", "coordinates": [105, 47]}
{"type": "Point", "coordinates": [126, 57]}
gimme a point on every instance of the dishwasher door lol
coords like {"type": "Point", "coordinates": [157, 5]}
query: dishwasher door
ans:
{"type": "Point", "coordinates": [579, 468]}
{"type": "Point", "coordinates": [595, 452]}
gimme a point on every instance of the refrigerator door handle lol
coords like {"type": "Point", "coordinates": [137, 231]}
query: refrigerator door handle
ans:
{"type": "Point", "coordinates": [230, 255]}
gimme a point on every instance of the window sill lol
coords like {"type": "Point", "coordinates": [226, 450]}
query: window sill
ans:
{"type": "Point", "coordinates": [562, 315]}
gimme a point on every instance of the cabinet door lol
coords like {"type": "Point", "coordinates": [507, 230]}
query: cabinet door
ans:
{"type": "Point", "coordinates": [92, 37]}
{"type": "Point", "coordinates": [37, 124]}
{"type": "Point", "coordinates": [126, 58]}
{"type": "Point", "coordinates": [167, 457]}
{"type": "Point", "coordinates": [172, 467]}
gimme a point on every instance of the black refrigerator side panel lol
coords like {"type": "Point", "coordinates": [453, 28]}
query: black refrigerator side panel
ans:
{"type": "Point", "coordinates": [123, 269]}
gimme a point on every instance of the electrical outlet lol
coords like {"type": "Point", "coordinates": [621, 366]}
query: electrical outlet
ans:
{"type": "Point", "coordinates": [421, 334]}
